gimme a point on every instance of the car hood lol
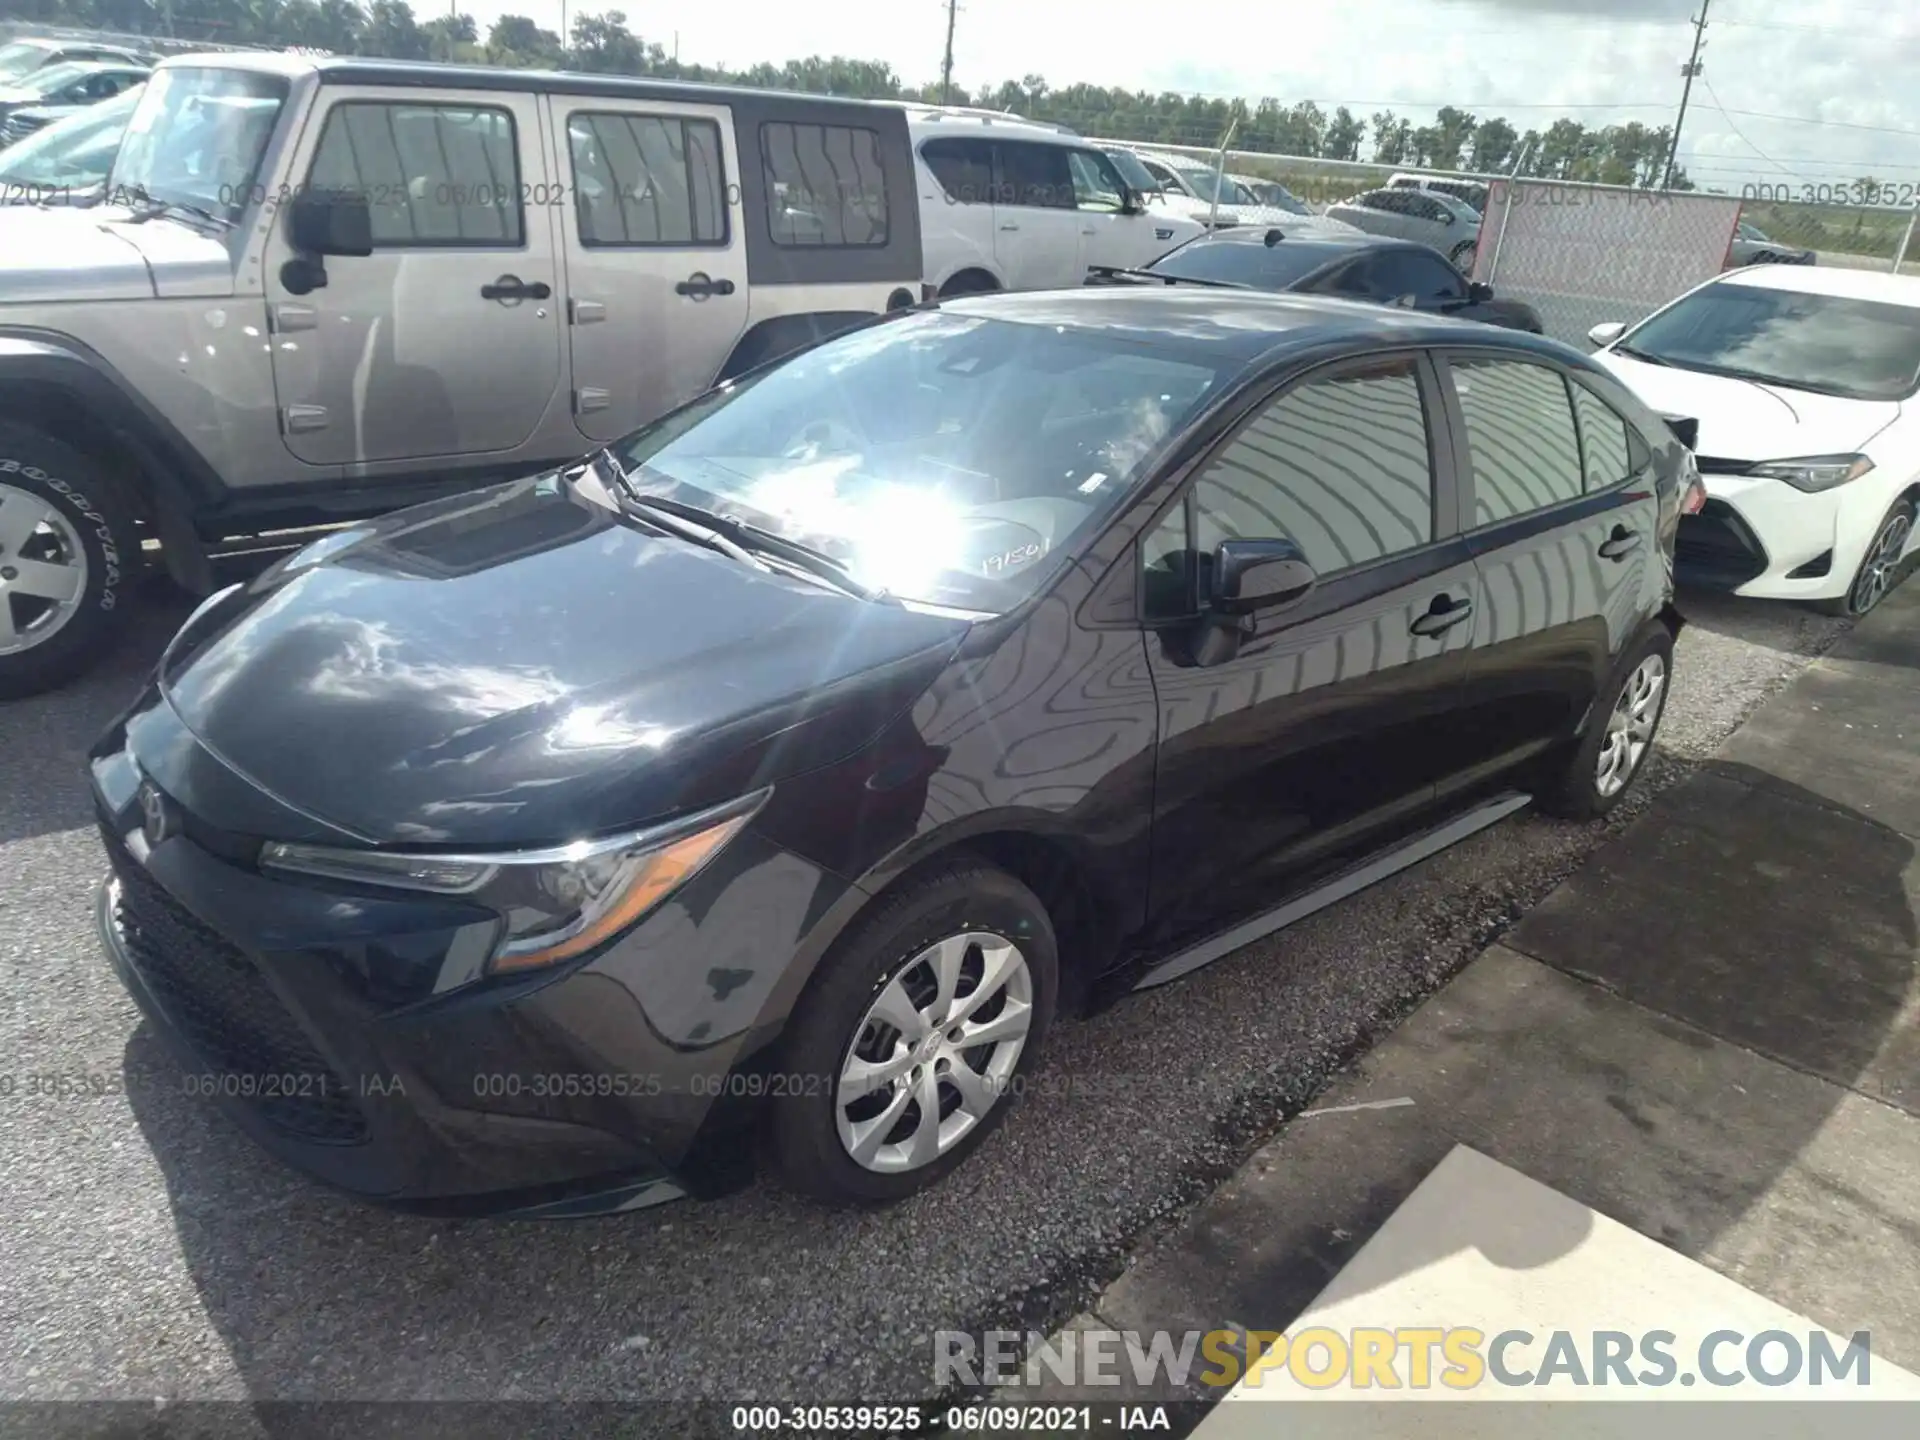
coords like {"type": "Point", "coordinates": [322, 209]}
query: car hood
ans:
{"type": "Point", "coordinates": [63, 254]}
{"type": "Point", "coordinates": [522, 666]}
{"type": "Point", "coordinates": [1746, 421]}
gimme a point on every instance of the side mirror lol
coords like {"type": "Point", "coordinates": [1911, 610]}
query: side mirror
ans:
{"type": "Point", "coordinates": [1606, 334]}
{"type": "Point", "coordinates": [1685, 428]}
{"type": "Point", "coordinates": [330, 223]}
{"type": "Point", "coordinates": [1449, 218]}
{"type": "Point", "coordinates": [1479, 292]}
{"type": "Point", "coordinates": [1253, 575]}
{"type": "Point", "coordinates": [1132, 202]}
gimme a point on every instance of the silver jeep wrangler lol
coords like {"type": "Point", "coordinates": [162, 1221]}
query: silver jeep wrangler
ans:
{"type": "Point", "coordinates": [323, 288]}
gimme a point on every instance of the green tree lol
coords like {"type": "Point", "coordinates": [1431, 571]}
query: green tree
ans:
{"type": "Point", "coordinates": [391, 30]}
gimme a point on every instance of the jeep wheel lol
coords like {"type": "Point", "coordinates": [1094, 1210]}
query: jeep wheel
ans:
{"type": "Point", "coordinates": [66, 556]}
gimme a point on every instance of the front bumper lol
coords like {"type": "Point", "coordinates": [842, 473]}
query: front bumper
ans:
{"type": "Point", "coordinates": [335, 1029]}
{"type": "Point", "coordinates": [1761, 537]}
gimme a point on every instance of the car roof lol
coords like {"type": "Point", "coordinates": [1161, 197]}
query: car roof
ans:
{"type": "Point", "coordinates": [1333, 243]}
{"type": "Point", "coordinates": [1836, 280]}
{"type": "Point", "coordinates": [924, 126]}
{"type": "Point", "coordinates": [1255, 327]}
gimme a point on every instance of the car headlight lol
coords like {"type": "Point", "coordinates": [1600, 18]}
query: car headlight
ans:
{"type": "Point", "coordinates": [554, 904]}
{"type": "Point", "coordinates": [1815, 472]}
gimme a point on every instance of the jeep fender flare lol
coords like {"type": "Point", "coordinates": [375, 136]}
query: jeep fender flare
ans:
{"type": "Point", "coordinates": [174, 482]}
{"type": "Point", "coordinates": [783, 334]}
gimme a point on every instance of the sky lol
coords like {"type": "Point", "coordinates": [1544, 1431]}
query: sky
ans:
{"type": "Point", "coordinates": [1770, 65]}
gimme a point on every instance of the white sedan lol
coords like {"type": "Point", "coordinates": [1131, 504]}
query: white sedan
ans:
{"type": "Point", "coordinates": [1803, 382]}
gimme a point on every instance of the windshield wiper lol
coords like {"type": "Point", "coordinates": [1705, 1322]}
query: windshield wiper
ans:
{"type": "Point", "coordinates": [1641, 355]}
{"type": "Point", "coordinates": [156, 207]}
{"type": "Point", "coordinates": [733, 536]}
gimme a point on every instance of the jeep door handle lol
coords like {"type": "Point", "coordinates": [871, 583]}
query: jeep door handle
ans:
{"type": "Point", "coordinates": [512, 287]}
{"type": "Point", "coordinates": [1445, 613]}
{"type": "Point", "coordinates": [1622, 543]}
{"type": "Point", "coordinates": [699, 285]}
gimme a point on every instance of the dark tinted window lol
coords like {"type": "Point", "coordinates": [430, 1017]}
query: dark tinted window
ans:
{"type": "Point", "coordinates": [1035, 175]}
{"type": "Point", "coordinates": [1607, 449]}
{"type": "Point", "coordinates": [1339, 466]}
{"type": "Point", "coordinates": [964, 169]}
{"type": "Point", "coordinates": [1520, 436]}
{"type": "Point", "coordinates": [647, 180]}
{"type": "Point", "coordinates": [824, 185]}
{"type": "Point", "coordinates": [1861, 349]}
{"type": "Point", "coordinates": [439, 175]}
{"type": "Point", "coordinates": [1267, 267]}
{"type": "Point", "coordinates": [1393, 273]}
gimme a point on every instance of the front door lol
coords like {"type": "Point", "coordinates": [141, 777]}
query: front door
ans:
{"type": "Point", "coordinates": [1109, 236]}
{"type": "Point", "coordinates": [446, 339]}
{"type": "Point", "coordinates": [1564, 524]}
{"type": "Point", "coordinates": [657, 256]}
{"type": "Point", "coordinates": [1334, 720]}
{"type": "Point", "coordinates": [1037, 240]}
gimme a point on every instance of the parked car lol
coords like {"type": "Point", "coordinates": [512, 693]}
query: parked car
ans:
{"type": "Point", "coordinates": [67, 161]}
{"type": "Point", "coordinates": [21, 58]}
{"type": "Point", "coordinates": [63, 89]}
{"type": "Point", "coordinates": [1474, 193]}
{"type": "Point", "coordinates": [1270, 193]}
{"type": "Point", "coordinates": [1446, 224]}
{"type": "Point", "coordinates": [1803, 384]}
{"type": "Point", "coordinates": [468, 272]}
{"type": "Point", "coordinates": [778, 773]}
{"type": "Point", "coordinates": [1189, 186]}
{"type": "Point", "coordinates": [1354, 267]}
{"type": "Point", "coordinates": [1752, 247]}
{"type": "Point", "coordinates": [1010, 205]}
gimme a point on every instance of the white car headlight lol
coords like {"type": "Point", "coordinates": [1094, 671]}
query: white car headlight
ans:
{"type": "Point", "coordinates": [554, 904]}
{"type": "Point", "coordinates": [1815, 472]}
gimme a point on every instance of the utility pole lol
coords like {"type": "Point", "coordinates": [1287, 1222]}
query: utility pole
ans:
{"type": "Point", "coordinates": [1690, 69]}
{"type": "Point", "coordinates": [946, 63]}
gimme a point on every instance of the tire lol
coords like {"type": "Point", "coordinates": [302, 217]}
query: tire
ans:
{"type": "Point", "coordinates": [1579, 790]}
{"type": "Point", "coordinates": [81, 533]}
{"type": "Point", "coordinates": [1879, 569]}
{"type": "Point", "coordinates": [890, 956]}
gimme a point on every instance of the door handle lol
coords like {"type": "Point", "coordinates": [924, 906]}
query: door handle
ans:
{"type": "Point", "coordinates": [1445, 613]}
{"type": "Point", "coordinates": [1622, 543]}
{"type": "Point", "coordinates": [512, 287]}
{"type": "Point", "coordinates": [699, 285]}
{"type": "Point", "coordinates": [1009, 225]}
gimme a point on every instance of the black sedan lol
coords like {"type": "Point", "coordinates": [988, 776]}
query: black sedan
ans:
{"type": "Point", "coordinates": [767, 782]}
{"type": "Point", "coordinates": [1401, 273]}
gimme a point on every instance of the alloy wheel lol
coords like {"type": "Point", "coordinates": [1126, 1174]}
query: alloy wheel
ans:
{"type": "Point", "coordinates": [934, 1052]}
{"type": "Point", "coordinates": [1881, 567]}
{"type": "Point", "coordinates": [1630, 726]}
{"type": "Point", "coordinates": [43, 570]}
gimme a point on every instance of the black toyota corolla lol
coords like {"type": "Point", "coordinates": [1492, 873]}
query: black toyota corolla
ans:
{"type": "Point", "coordinates": [765, 784]}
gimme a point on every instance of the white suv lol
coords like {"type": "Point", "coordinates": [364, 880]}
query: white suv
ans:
{"type": "Point", "coordinates": [1804, 384]}
{"type": "Point", "coordinates": [1007, 204]}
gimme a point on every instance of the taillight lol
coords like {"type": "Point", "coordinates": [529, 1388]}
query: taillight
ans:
{"type": "Point", "coordinates": [1695, 500]}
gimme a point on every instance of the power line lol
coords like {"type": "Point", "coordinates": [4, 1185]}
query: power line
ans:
{"type": "Point", "coordinates": [1736, 129]}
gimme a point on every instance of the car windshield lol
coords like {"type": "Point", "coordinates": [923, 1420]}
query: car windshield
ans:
{"type": "Point", "coordinates": [1832, 344]}
{"type": "Point", "coordinates": [22, 57]}
{"type": "Point", "coordinates": [1200, 179]}
{"type": "Point", "coordinates": [1277, 196]}
{"type": "Point", "coordinates": [45, 82]}
{"type": "Point", "coordinates": [71, 154]}
{"type": "Point", "coordinates": [196, 137]}
{"type": "Point", "coordinates": [1133, 172]}
{"type": "Point", "coordinates": [949, 460]}
{"type": "Point", "coordinates": [1237, 262]}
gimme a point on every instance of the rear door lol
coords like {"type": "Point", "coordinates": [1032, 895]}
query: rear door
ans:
{"type": "Point", "coordinates": [656, 269]}
{"type": "Point", "coordinates": [1333, 721]}
{"type": "Point", "coordinates": [1037, 231]}
{"type": "Point", "coordinates": [1561, 515]}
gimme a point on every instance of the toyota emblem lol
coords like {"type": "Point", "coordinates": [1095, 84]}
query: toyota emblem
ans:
{"type": "Point", "coordinates": [158, 820]}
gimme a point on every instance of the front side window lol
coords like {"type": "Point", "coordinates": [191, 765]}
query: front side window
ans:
{"type": "Point", "coordinates": [1341, 466]}
{"type": "Point", "coordinates": [1520, 436]}
{"type": "Point", "coordinates": [196, 137]}
{"type": "Point", "coordinates": [953, 460]}
{"type": "Point", "coordinates": [1095, 184]}
{"type": "Point", "coordinates": [433, 175]}
{"type": "Point", "coordinates": [825, 185]}
{"type": "Point", "coordinates": [647, 180]}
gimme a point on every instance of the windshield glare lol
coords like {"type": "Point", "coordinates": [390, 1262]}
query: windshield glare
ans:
{"type": "Point", "coordinates": [70, 154]}
{"type": "Point", "coordinates": [1859, 349]}
{"type": "Point", "coordinates": [946, 459]}
{"type": "Point", "coordinates": [197, 135]}
{"type": "Point", "coordinates": [44, 82]}
{"type": "Point", "coordinates": [20, 58]}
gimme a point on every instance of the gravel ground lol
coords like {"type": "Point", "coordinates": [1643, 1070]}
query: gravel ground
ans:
{"type": "Point", "coordinates": [148, 1251]}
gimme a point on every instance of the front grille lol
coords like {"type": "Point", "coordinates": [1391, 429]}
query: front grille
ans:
{"type": "Point", "coordinates": [1717, 548]}
{"type": "Point", "coordinates": [225, 1009]}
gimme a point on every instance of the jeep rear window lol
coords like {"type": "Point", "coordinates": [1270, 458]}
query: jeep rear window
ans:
{"type": "Point", "coordinates": [825, 186]}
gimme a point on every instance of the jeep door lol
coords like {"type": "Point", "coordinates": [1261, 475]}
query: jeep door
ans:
{"type": "Point", "coordinates": [445, 341]}
{"type": "Point", "coordinates": [656, 267]}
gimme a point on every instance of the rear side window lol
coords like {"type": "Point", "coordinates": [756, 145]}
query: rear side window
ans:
{"type": "Point", "coordinates": [647, 180]}
{"type": "Point", "coordinates": [1520, 435]}
{"type": "Point", "coordinates": [433, 175]}
{"type": "Point", "coordinates": [1609, 450]}
{"type": "Point", "coordinates": [825, 185]}
{"type": "Point", "coordinates": [964, 169]}
{"type": "Point", "coordinates": [1340, 466]}
{"type": "Point", "coordinates": [1035, 175]}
